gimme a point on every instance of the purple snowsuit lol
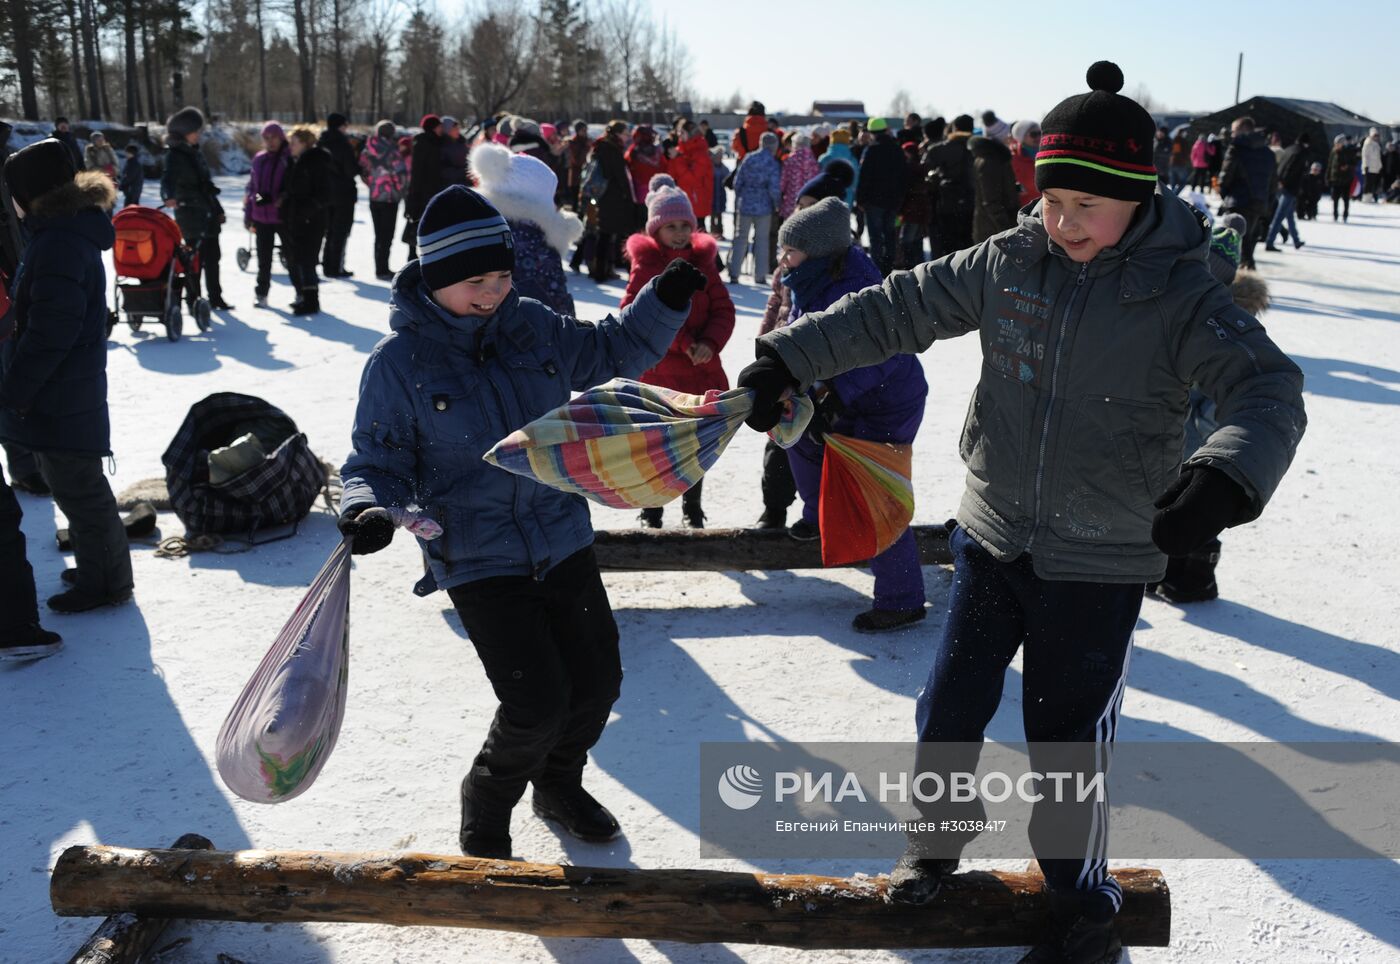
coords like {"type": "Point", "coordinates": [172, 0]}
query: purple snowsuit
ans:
{"type": "Point", "coordinates": [881, 403]}
{"type": "Point", "coordinates": [266, 180]}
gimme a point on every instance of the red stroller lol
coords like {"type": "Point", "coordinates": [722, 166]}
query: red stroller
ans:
{"type": "Point", "coordinates": [153, 265]}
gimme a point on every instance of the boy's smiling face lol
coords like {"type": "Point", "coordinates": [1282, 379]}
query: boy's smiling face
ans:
{"type": "Point", "coordinates": [476, 297]}
{"type": "Point", "coordinates": [1085, 224]}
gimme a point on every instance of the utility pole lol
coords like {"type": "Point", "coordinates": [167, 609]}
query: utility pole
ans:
{"type": "Point", "coordinates": [1239, 72]}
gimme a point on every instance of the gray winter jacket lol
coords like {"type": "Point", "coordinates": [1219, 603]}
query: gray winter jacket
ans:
{"type": "Point", "coordinates": [1076, 423]}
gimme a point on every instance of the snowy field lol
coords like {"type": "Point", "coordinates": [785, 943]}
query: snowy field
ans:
{"type": "Point", "coordinates": [112, 741]}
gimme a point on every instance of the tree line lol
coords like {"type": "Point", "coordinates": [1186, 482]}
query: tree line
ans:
{"type": "Point", "coordinates": [138, 60]}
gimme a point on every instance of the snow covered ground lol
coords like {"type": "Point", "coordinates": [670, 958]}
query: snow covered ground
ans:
{"type": "Point", "coordinates": [112, 741]}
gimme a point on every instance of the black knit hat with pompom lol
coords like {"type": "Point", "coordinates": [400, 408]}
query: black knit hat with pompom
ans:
{"type": "Point", "coordinates": [1099, 142]}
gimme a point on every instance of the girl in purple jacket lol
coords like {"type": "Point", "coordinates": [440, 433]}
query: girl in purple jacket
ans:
{"type": "Point", "coordinates": [261, 213]}
{"type": "Point", "coordinates": [880, 403]}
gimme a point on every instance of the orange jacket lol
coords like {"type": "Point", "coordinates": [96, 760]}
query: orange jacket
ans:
{"type": "Point", "coordinates": [754, 127]}
{"type": "Point", "coordinates": [695, 175]}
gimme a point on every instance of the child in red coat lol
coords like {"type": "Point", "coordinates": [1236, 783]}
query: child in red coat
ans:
{"type": "Point", "coordinates": [692, 362]}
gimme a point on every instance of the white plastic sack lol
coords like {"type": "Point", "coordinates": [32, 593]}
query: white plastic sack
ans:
{"type": "Point", "coordinates": [284, 724]}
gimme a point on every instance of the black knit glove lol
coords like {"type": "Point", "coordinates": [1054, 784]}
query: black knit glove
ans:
{"type": "Point", "coordinates": [369, 528]}
{"type": "Point", "coordinates": [678, 283]}
{"type": "Point", "coordinates": [1195, 508]}
{"type": "Point", "coordinates": [768, 378]}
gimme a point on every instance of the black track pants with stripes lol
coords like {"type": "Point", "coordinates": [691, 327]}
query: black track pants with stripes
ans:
{"type": "Point", "coordinates": [1076, 638]}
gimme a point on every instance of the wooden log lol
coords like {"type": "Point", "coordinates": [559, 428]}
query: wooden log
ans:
{"type": "Point", "coordinates": [691, 906]}
{"type": "Point", "coordinates": [728, 550]}
{"type": "Point", "coordinates": [125, 937]}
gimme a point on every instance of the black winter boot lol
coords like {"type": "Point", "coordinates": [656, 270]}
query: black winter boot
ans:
{"type": "Point", "coordinates": [1083, 936]}
{"type": "Point", "coordinates": [650, 518]}
{"type": "Point", "coordinates": [485, 826]}
{"type": "Point", "coordinates": [690, 506]}
{"type": "Point", "coordinates": [916, 879]}
{"type": "Point", "coordinates": [774, 517]}
{"type": "Point", "coordinates": [29, 642]}
{"type": "Point", "coordinates": [575, 809]}
{"type": "Point", "coordinates": [310, 303]}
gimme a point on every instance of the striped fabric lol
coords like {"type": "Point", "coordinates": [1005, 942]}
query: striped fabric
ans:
{"type": "Point", "coordinates": [629, 445]}
{"type": "Point", "coordinates": [463, 237]}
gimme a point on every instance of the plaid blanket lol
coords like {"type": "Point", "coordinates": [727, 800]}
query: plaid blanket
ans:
{"type": "Point", "coordinates": [629, 445]}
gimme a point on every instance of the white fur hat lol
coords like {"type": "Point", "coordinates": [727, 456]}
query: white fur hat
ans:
{"type": "Point", "coordinates": [522, 188]}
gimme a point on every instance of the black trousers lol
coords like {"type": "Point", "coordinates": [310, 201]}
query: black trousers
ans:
{"type": "Point", "coordinates": [1341, 193]}
{"type": "Point", "coordinates": [305, 243]}
{"type": "Point", "coordinates": [549, 648]}
{"type": "Point", "coordinates": [266, 237]}
{"type": "Point", "coordinates": [1075, 639]}
{"type": "Point", "coordinates": [954, 225]}
{"type": "Point", "coordinates": [1254, 216]}
{"type": "Point", "coordinates": [779, 489]}
{"type": "Point", "coordinates": [81, 492]}
{"type": "Point", "coordinates": [384, 214]}
{"type": "Point", "coordinates": [341, 219]}
{"type": "Point", "coordinates": [209, 255]}
{"type": "Point", "coordinates": [18, 606]}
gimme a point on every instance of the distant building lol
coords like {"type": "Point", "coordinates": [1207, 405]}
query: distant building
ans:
{"type": "Point", "coordinates": [839, 109]}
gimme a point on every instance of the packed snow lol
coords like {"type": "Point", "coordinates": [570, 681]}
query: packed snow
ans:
{"type": "Point", "coordinates": [112, 740]}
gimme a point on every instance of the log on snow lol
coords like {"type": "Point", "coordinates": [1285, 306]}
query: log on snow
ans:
{"type": "Point", "coordinates": [692, 906]}
{"type": "Point", "coordinates": [124, 938]}
{"type": "Point", "coordinates": [728, 550]}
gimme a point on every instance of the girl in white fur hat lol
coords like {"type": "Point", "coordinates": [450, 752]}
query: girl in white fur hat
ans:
{"type": "Point", "coordinates": [522, 189]}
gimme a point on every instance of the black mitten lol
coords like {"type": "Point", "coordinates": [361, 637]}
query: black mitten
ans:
{"type": "Point", "coordinates": [678, 283]}
{"type": "Point", "coordinates": [370, 529]}
{"type": "Point", "coordinates": [1195, 508]}
{"type": "Point", "coordinates": [768, 378]}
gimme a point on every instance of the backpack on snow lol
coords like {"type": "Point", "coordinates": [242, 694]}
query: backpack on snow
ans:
{"type": "Point", "coordinates": [278, 490]}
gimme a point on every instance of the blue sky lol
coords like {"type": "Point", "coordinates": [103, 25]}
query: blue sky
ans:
{"type": "Point", "coordinates": [1020, 58]}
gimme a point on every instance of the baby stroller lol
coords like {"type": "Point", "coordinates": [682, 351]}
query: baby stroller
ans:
{"type": "Point", "coordinates": [153, 265]}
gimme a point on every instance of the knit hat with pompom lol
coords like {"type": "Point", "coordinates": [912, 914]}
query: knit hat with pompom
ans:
{"type": "Point", "coordinates": [1099, 142]}
{"type": "Point", "coordinates": [666, 203]}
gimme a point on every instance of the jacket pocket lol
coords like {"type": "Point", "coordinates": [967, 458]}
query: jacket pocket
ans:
{"type": "Point", "coordinates": [539, 386]}
{"type": "Point", "coordinates": [1110, 466]}
{"type": "Point", "coordinates": [994, 439]}
{"type": "Point", "coordinates": [454, 410]}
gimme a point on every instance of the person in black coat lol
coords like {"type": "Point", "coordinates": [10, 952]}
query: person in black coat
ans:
{"type": "Point", "coordinates": [344, 169]}
{"type": "Point", "coordinates": [950, 164]}
{"type": "Point", "coordinates": [424, 178]}
{"type": "Point", "coordinates": [616, 209]}
{"type": "Point", "coordinates": [306, 210]}
{"type": "Point", "coordinates": [1246, 181]}
{"type": "Point", "coordinates": [53, 369]}
{"type": "Point", "coordinates": [884, 179]}
{"type": "Point", "coordinates": [1292, 164]}
{"type": "Point", "coordinates": [1310, 192]}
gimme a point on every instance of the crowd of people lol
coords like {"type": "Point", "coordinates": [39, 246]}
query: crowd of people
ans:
{"type": "Point", "coordinates": [1058, 535]}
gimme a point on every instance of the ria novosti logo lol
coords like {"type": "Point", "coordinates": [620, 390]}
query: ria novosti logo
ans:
{"type": "Point", "coordinates": [740, 787]}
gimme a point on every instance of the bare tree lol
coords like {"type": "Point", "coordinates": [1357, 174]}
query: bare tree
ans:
{"type": "Point", "coordinates": [88, 28]}
{"type": "Point", "coordinates": [497, 51]}
{"type": "Point", "coordinates": [262, 57]}
{"type": "Point", "coordinates": [627, 34]}
{"type": "Point", "coordinates": [133, 86]}
{"type": "Point", "coordinates": [305, 65]}
{"type": "Point", "coordinates": [901, 103]}
{"type": "Point", "coordinates": [383, 18]}
{"type": "Point", "coordinates": [21, 33]}
{"type": "Point", "coordinates": [71, 9]}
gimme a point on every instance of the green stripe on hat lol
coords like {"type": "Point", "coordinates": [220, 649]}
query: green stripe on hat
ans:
{"type": "Point", "coordinates": [1097, 167]}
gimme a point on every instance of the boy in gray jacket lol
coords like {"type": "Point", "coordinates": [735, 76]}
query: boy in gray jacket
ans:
{"type": "Point", "coordinates": [1097, 313]}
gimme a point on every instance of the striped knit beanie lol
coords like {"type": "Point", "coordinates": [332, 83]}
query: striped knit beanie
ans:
{"type": "Point", "coordinates": [460, 236]}
{"type": "Point", "coordinates": [1099, 142]}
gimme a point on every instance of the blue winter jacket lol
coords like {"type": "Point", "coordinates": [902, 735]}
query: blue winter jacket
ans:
{"type": "Point", "coordinates": [440, 390]}
{"type": "Point", "coordinates": [53, 370]}
{"type": "Point", "coordinates": [884, 402]}
{"type": "Point", "coordinates": [758, 184]}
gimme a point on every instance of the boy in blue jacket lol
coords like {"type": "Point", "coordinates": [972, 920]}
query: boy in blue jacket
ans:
{"type": "Point", "coordinates": [468, 361]}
